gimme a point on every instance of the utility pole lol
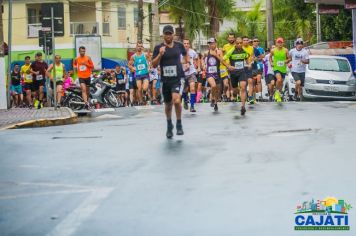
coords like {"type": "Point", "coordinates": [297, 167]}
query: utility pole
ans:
{"type": "Point", "coordinates": [269, 19]}
{"type": "Point", "coordinates": [1, 31]}
{"type": "Point", "coordinates": [140, 21]}
{"type": "Point", "coordinates": [54, 63]}
{"type": "Point", "coordinates": [318, 24]}
{"type": "Point", "coordinates": [9, 34]}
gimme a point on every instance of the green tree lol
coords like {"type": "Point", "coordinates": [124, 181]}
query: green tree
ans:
{"type": "Point", "coordinates": [337, 27]}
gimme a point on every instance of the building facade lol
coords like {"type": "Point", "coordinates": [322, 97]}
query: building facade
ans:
{"type": "Point", "coordinates": [114, 21]}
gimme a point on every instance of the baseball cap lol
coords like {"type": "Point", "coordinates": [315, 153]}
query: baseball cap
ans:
{"type": "Point", "coordinates": [168, 29]}
{"type": "Point", "coordinates": [212, 40]}
{"type": "Point", "coordinates": [280, 40]}
{"type": "Point", "coordinates": [299, 41]}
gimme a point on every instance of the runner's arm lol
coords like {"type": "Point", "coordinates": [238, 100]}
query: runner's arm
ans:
{"type": "Point", "coordinates": [270, 58]}
{"type": "Point", "coordinates": [131, 62]}
{"type": "Point", "coordinates": [48, 72]}
{"type": "Point", "coordinates": [90, 63]}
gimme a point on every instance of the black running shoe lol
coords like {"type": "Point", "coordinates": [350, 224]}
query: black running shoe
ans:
{"type": "Point", "coordinates": [192, 109]}
{"type": "Point", "coordinates": [216, 107]}
{"type": "Point", "coordinates": [243, 111]}
{"type": "Point", "coordinates": [212, 103]}
{"type": "Point", "coordinates": [185, 106]}
{"type": "Point", "coordinates": [169, 132]}
{"type": "Point", "coordinates": [179, 128]}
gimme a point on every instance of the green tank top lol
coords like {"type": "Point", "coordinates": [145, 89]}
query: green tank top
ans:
{"type": "Point", "coordinates": [59, 72]}
{"type": "Point", "coordinates": [279, 60]}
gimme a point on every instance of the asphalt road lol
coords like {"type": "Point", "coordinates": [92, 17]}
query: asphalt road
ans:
{"type": "Point", "coordinates": [228, 175]}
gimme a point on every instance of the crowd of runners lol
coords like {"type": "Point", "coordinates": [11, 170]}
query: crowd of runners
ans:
{"type": "Point", "coordinates": [174, 74]}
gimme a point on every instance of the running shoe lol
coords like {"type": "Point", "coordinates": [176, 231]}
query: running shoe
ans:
{"type": "Point", "coordinates": [36, 103]}
{"type": "Point", "coordinates": [216, 107]}
{"type": "Point", "coordinates": [169, 132]}
{"type": "Point", "coordinates": [185, 105]}
{"type": "Point", "coordinates": [192, 109]}
{"type": "Point", "coordinates": [238, 99]}
{"type": "Point", "coordinates": [277, 96]}
{"type": "Point", "coordinates": [212, 103]}
{"type": "Point", "coordinates": [251, 100]}
{"type": "Point", "coordinates": [243, 111]}
{"type": "Point", "coordinates": [179, 129]}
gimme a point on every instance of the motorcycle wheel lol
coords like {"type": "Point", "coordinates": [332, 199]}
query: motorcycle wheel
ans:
{"type": "Point", "coordinates": [111, 99]}
{"type": "Point", "coordinates": [75, 103]}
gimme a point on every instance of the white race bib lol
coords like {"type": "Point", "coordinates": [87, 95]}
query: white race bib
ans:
{"type": "Point", "coordinates": [82, 68]}
{"type": "Point", "coordinates": [39, 77]}
{"type": "Point", "coordinates": [280, 63]}
{"type": "Point", "coordinates": [212, 69]}
{"type": "Point", "coordinates": [170, 71]}
{"type": "Point", "coordinates": [239, 65]}
{"type": "Point", "coordinates": [29, 77]}
{"type": "Point", "coordinates": [141, 66]}
{"type": "Point", "coordinates": [121, 81]}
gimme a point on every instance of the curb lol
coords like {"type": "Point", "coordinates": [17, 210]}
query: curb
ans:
{"type": "Point", "coordinates": [71, 119]}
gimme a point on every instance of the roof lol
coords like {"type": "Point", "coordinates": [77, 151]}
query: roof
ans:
{"type": "Point", "coordinates": [327, 2]}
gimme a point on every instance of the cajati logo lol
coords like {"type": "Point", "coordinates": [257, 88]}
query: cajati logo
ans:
{"type": "Point", "coordinates": [327, 214]}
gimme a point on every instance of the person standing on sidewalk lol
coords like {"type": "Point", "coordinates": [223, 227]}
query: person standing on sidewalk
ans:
{"type": "Point", "coordinates": [168, 56]}
{"type": "Point", "coordinates": [60, 70]}
{"type": "Point", "coordinates": [28, 81]}
{"type": "Point", "coordinates": [84, 67]}
{"type": "Point", "coordinates": [38, 69]}
{"type": "Point", "coordinates": [16, 87]}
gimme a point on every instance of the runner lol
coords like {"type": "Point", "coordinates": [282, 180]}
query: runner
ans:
{"type": "Point", "coordinates": [190, 76]}
{"type": "Point", "coordinates": [120, 78]}
{"type": "Point", "coordinates": [300, 58]}
{"type": "Point", "coordinates": [16, 88]}
{"type": "Point", "coordinates": [28, 82]}
{"type": "Point", "coordinates": [139, 65]}
{"type": "Point", "coordinates": [200, 78]}
{"type": "Point", "coordinates": [279, 60]}
{"type": "Point", "coordinates": [238, 57]}
{"type": "Point", "coordinates": [269, 74]}
{"type": "Point", "coordinates": [38, 69]}
{"type": "Point", "coordinates": [224, 73]}
{"type": "Point", "coordinates": [213, 59]}
{"type": "Point", "coordinates": [84, 66]}
{"type": "Point", "coordinates": [60, 74]}
{"type": "Point", "coordinates": [258, 67]}
{"type": "Point", "coordinates": [168, 56]}
{"type": "Point", "coordinates": [132, 86]}
{"type": "Point", "coordinates": [153, 84]}
{"type": "Point", "coordinates": [248, 67]}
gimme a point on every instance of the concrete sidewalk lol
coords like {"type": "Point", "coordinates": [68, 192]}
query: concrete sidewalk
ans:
{"type": "Point", "coordinates": [24, 117]}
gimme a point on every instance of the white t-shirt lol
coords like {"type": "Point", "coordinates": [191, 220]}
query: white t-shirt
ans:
{"type": "Point", "coordinates": [192, 56]}
{"type": "Point", "coordinates": [297, 56]}
{"type": "Point", "coordinates": [269, 66]}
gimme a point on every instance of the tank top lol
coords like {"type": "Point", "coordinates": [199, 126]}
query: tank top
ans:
{"type": "Point", "coordinates": [279, 60]}
{"type": "Point", "coordinates": [59, 72]}
{"type": "Point", "coordinates": [141, 65]}
{"type": "Point", "coordinates": [213, 66]}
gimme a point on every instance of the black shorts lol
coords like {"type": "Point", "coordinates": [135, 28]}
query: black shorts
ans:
{"type": "Point", "coordinates": [269, 78]}
{"type": "Point", "coordinates": [57, 83]}
{"type": "Point", "coordinates": [278, 72]}
{"type": "Point", "coordinates": [236, 77]}
{"type": "Point", "coordinates": [248, 73]}
{"type": "Point", "coordinates": [172, 85]}
{"type": "Point", "coordinates": [201, 80]}
{"type": "Point", "coordinates": [29, 86]}
{"type": "Point", "coordinates": [299, 76]}
{"type": "Point", "coordinates": [142, 77]}
{"type": "Point", "coordinates": [38, 83]}
{"type": "Point", "coordinates": [85, 81]}
{"type": "Point", "coordinates": [190, 79]}
{"type": "Point", "coordinates": [120, 87]}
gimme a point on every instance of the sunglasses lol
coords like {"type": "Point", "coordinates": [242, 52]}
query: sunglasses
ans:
{"type": "Point", "coordinates": [256, 41]}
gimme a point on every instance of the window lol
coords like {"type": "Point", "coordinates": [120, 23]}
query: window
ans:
{"type": "Point", "coordinates": [32, 16]}
{"type": "Point", "coordinates": [122, 17]}
{"type": "Point", "coordinates": [329, 64]}
{"type": "Point", "coordinates": [135, 17]}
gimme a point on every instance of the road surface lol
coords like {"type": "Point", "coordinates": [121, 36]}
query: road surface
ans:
{"type": "Point", "coordinates": [228, 175]}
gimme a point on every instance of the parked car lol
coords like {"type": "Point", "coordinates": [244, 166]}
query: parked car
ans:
{"type": "Point", "coordinates": [329, 77]}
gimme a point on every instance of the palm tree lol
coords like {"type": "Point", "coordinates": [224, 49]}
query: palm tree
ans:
{"type": "Point", "coordinates": [217, 11]}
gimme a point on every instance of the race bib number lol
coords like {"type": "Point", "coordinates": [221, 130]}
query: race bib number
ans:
{"type": "Point", "coordinates": [29, 77]}
{"type": "Point", "coordinates": [239, 65]}
{"type": "Point", "coordinates": [170, 71]}
{"type": "Point", "coordinates": [141, 66]}
{"type": "Point", "coordinates": [121, 81]}
{"type": "Point", "coordinates": [58, 77]}
{"type": "Point", "coordinates": [280, 63]}
{"type": "Point", "coordinates": [212, 69]}
{"type": "Point", "coordinates": [82, 68]}
{"type": "Point", "coordinates": [259, 66]}
{"type": "Point", "coordinates": [39, 77]}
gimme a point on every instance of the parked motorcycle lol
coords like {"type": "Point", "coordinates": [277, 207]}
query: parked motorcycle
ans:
{"type": "Point", "coordinates": [73, 98]}
{"type": "Point", "coordinates": [102, 92]}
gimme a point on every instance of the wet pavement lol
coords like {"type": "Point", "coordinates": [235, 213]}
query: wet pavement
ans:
{"type": "Point", "coordinates": [228, 175]}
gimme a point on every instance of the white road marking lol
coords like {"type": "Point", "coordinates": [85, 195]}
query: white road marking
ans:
{"type": "Point", "coordinates": [9, 197]}
{"type": "Point", "coordinates": [72, 222]}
